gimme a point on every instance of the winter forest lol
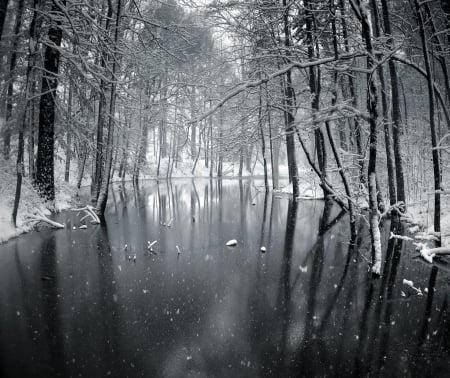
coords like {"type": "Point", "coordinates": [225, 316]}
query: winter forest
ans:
{"type": "Point", "coordinates": [218, 187]}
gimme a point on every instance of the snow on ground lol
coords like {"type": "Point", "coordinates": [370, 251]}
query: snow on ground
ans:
{"type": "Point", "coordinates": [422, 213]}
{"type": "Point", "coordinates": [30, 202]}
{"type": "Point", "coordinates": [184, 169]}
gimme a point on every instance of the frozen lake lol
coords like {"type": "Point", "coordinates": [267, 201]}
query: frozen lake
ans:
{"type": "Point", "coordinates": [97, 302]}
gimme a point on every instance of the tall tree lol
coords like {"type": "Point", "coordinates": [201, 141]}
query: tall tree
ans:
{"type": "Point", "coordinates": [3, 9]}
{"type": "Point", "coordinates": [289, 103]}
{"type": "Point", "coordinates": [372, 108]}
{"type": "Point", "coordinates": [431, 104]}
{"type": "Point", "coordinates": [45, 177]}
{"type": "Point", "coordinates": [396, 112]}
{"type": "Point", "coordinates": [103, 194]}
{"type": "Point", "coordinates": [32, 52]}
{"type": "Point", "coordinates": [12, 74]}
{"type": "Point", "coordinates": [384, 102]}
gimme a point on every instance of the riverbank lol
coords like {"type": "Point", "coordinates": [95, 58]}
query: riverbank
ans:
{"type": "Point", "coordinates": [30, 203]}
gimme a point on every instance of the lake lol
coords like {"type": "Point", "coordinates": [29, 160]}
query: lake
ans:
{"type": "Point", "coordinates": [98, 302]}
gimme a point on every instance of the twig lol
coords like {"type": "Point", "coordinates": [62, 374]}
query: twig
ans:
{"type": "Point", "coordinates": [90, 212]}
{"type": "Point", "coordinates": [40, 217]}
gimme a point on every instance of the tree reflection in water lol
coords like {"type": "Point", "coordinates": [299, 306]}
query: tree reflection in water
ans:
{"type": "Point", "coordinates": [305, 307]}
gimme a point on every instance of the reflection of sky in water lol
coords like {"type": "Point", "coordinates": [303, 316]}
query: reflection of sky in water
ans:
{"type": "Point", "coordinates": [74, 302]}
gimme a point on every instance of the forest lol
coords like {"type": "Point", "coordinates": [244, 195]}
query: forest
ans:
{"type": "Point", "coordinates": [356, 92]}
{"type": "Point", "coordinates": [346, 101]}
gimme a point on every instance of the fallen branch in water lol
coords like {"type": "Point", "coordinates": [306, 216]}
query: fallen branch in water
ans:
{"type": "Point", "coordinates": [401, 237]}
{"type": "Point", "coordinates": [41, 217]}
{"type": "Point", "coordinates": [427, 237]}
{"type": "Point", "coordinates": [429, 253]}
{"type": "Point", "coordinates": [90, 212]}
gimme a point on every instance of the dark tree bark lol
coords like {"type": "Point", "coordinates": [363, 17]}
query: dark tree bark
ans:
{"type": "Point", "coordinates": [263, 139]}
{"type": "Point", "coordinates": [387, 128]}
{"type": "Point", "coordinates": [342, 170]}
{"type": "Point", "coordinates": [273, 161]}
{"type": "Point", "coordinates": [33, 126]}
{"type": "Point", "coordinates": [3, 8]}
{"type": "Point", "coordinates": [142, 148]}
{"type": "Point", "coordinates": [45, 180]}
{"type": "Point", "coordinates": [10, 93]}
{"type": "Point", "coordinates": [32, 50]}
{"type": "Point", "coordinates": [193, 126]}
{"type": "Point", "coordinates": [289, 102]}
{"type": "Point", "coordinates": [211, 159]}
{"type": "Point", "coordinates": [315, 88]}
{"type": "Point", "coordinates": [220, 145]}
{"type": "Point", "coordinates": [356, 130]}
{"type": "Point", "coordinates": [396, 112]}
{"type": "Point", "coordinates": [431, 99]}
{"type": "Point", "coordinates": [102, 118]}
{"type": "Point", "coordinates": [441, 57]}
{"type": "Point", "coordinates": [68, 138]}
{"type": "Point", "coordinates": [372, 108]}
{"type": "Point", "coordinates": [163, 123]}
{"type": "Point", "coordinates": [103, 195]}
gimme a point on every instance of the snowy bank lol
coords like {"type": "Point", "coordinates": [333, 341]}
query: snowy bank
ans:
{"type": "Point", "coordinates": [31, 205]}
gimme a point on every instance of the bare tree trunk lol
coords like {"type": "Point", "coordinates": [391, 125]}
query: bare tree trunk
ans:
{"type": "Point", "coordinates": [272, 158]}
{"type": "Point", "coordinates": [103, 196]}
{"type": "Point", "coordinates": [351, 85]}
{"type": "Point", "coordinates": [126, 140]}
{"type": "Point", "coordinates": [69, 138]}
{"type": "Point", "coordinates": [45, 178]}
{"type": "Point", "coordinates": [34, 119]}
{"type": "Point", "coordinates": [211, 160]}
{"type": "Point", "coordinates": [372, 108]}
{"type": "Point", "coordinates": [28, 89]}
{"type": "Point", "coordinates": [242, 126]}
{"type": "Point", "coordinates": [193, 125]}
{"type": "Point", "coordinates": [263, 139]}
{"type": "Point", "coordinates": [441, 58]}
{"type": "Point", "coordinates": [396, 112]}
{"type": "Point", "coordinates": [163, 124]}
{"type": "Point", "coordinates": [315, 88]}
{"type": "Point", "coordinates": [342, 171]}
{"type": "Point", "coordinates": [387, 129]}
{"type": "Point", "coordinates": [289, 111]}
{"type": "Point", "coordinates": [10, 92]}
{"type": "Point", "coordinates": [431, 99]}
{"type": "Point", "coordinates": [220, 145]}
{"type": "Point", "coordinates": [81, 165]}
{"type": "Point", "coordinates": [102, 120]}
{"type": "Point", "coordinates": [3, 8]}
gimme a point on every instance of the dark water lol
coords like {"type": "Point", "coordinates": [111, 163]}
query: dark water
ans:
{"type": "Point", "coordinates": [75, 303]}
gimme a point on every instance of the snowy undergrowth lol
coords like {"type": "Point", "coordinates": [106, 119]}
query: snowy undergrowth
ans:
{"type": "Point", "coordinates": [309, 187]}
{"type": "Point", "coordinates": [183, 169]}
{"type": "Point", "coordinates": [30, 202]}
{"type": "Point", "coordinates": [422, 213]}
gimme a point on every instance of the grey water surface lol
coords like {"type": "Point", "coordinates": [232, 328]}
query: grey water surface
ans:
{"type": "Point", "coordinates": [97, 302]}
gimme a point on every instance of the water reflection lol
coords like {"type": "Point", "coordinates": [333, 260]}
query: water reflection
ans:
{"type": "Point", "coordinates": [77, 302]}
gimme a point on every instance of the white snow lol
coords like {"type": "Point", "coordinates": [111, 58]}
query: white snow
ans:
{"type": "Point", "coordinates": [31, 205]}
{"type": "Point", "coordinates": [411, 285]}
{"type": "Point", "coordinates": [394, 236]}
{"type": "Point", "coordinates": [150, 245]}
{"type": "Point", "coordinates": [421, 213]}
